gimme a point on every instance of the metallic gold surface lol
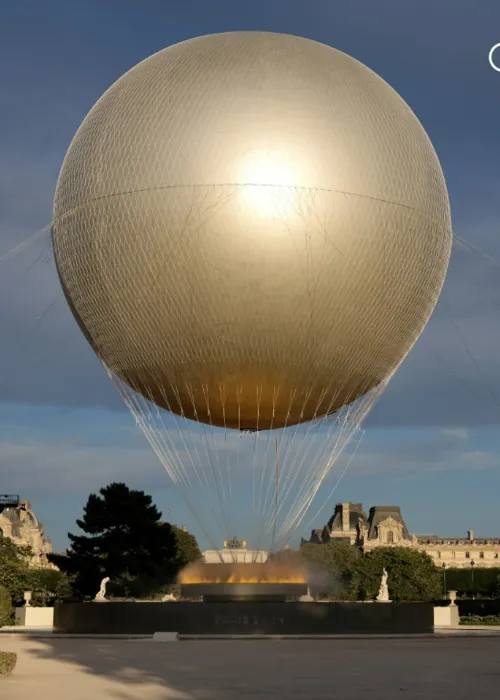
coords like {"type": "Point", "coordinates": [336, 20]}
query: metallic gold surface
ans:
{"type": "Point", "coordinates": [251, 229]}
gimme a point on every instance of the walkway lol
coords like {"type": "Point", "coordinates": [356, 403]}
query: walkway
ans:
{"type": "Point", "coordinates": [440, 668]}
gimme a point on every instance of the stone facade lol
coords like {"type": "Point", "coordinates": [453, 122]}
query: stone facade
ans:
{"type": "Point", "coordinates": [235, 552]}
{"type": "Point", "coordinates": [385, 527]}
{"type": "Point", "coordinates": [19, 523]}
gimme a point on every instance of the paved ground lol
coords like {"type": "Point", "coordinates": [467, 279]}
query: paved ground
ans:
{"type": "Point", "coordinates": [440, 668]}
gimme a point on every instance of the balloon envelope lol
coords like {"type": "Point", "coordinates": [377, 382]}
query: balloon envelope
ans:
{"type": "Point", "coordinates": [251, 229]}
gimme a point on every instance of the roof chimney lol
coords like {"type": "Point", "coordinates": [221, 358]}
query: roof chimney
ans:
{"type": "Point", "coordinates": [346, 526]}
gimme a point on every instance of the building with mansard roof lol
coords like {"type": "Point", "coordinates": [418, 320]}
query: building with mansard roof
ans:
{"type": "Point", "coordinates": [384, 526]}
{"type": "Point", "coordinates": [19, 523]}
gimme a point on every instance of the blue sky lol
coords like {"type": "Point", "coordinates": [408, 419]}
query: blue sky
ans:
{"type": "Point", "coordinates": [431, 444]}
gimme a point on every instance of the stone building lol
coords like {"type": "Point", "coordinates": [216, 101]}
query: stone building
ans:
{"type": "Point", "coordinates": [19, 523]}
{"type": "Point", "coordinates": [385, 526]}
{"type": "Point", "coordinates": [235, 552]}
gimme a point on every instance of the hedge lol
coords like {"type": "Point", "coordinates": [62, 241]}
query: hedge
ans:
{"type": "Point", "coordinates": [493, 620]}
{"type": "Point", "coordinates": [468, 582]}
{"type": "Point", "coordinates": [8, 661]}
{"type": "Point", "coordinates": [5, 606]}
{"type": "Point", "coordinates": [483, 608]}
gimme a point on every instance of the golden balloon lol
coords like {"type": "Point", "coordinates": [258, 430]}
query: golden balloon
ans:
{"type": "Point", "coordinates": [251, 229]}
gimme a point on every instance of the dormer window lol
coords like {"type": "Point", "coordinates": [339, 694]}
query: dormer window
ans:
{"type": "Point", "coordinates": [390, 537]}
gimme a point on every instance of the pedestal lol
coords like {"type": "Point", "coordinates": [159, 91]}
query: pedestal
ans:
{"type": "Point", "coordinates": [35, 617]}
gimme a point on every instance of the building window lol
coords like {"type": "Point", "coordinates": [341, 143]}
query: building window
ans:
{"type": "Point", "coordinates": [467, 555]}
{"type": "Point", "coordinates": [481, 555]}
{"type": "Point", "coordinates": [453, 554]}
{"type": "Point", "coordinates": [439, 555]}
{"type": "Point", "coordinates": [390, 537]}
{"type": "Point", "coordinates": [496, 555]}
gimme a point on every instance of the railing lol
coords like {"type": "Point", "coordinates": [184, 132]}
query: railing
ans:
{"type": "Point", "coordinates": [9, 500]}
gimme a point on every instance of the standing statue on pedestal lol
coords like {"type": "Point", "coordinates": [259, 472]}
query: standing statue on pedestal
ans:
{"type": "Point", "coordinates": [101, 595]}
{"type": "Point", "coordinates": [383, 593]}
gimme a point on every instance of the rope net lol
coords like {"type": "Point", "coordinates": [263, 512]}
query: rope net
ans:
{"type": "Point", "coordinates": [220, 471]}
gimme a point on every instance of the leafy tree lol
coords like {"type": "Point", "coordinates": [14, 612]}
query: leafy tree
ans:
{"type": "Point", "coordinates": [15, 574]}
{"type": "Point", "coordinates": [413, 576]}
{"type": "Point", "coordinates": [343, 562]}
{"type": "Point", "coordinates": [64, 588]}
{"type": "Point", "coordinates": [125, 540]}
{"type": "Point", "coordinates": [187, 547]}
{"type": "Point", "coordinates": [44, 585]}
{"type": "Point", "coordinates": [46, 579]}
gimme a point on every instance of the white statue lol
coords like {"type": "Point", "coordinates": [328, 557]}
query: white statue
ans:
{"type": "Point", "coordinates": [101, 595]}
{"type": "Point", "coordinates": [307, 598]}
{"type": "Point", "coordinates": [169, 598]}
{"type": "Point", "coordinates": [383, 593]}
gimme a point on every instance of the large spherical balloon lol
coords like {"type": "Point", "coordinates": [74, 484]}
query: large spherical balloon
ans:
{"type": "Point", "coordinates": [251, 229]}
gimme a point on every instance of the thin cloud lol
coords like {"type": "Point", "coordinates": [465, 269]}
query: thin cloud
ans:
{"type": "Point", "coordinates": [460, 434]}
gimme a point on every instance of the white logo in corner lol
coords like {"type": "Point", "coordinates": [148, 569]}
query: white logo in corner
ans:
{"type": "Point", "coordinates": [490, 57]}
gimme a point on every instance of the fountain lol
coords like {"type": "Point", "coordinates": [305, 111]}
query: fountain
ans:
{"type": "Point", "coordinates": [244, 599]}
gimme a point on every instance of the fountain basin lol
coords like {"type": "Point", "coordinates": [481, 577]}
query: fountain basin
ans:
{"type": "Point", "coordinates": [238, 592]}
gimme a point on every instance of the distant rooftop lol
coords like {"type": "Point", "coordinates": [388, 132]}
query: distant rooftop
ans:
{"type": "Point", "coordinates": [9, 501]}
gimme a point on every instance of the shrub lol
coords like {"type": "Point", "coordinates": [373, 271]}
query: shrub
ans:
{"type": "Point", "coordinates": [5, 606]}
{"type": "Point", "coordinates": [480, 582]}
{"type": "Point", "coordinates": [480, 620]}
{"type": "Point", "coordinates": [42, 599]}
{"type": "Point", "coordinates": [64, 588]}
{"type": "Point", "coordinates": [49, 585]}
{"type": "Point", "coordinates": [7, 662]}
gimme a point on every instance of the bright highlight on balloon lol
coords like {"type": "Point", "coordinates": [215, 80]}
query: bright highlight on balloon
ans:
{"type": "Point", "coordinates": [268, 179]}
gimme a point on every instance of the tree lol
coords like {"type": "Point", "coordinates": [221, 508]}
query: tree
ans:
{"type": "Point", "coordinates": [125, 540]}
{"type": "Point", "coordinates": [15, 574]}
{"type": "Point", "coordinates": [44, 585]}
{"type": "Point", "coordinates": [413, 576]}
{"type": "Point", "coordinates": [187, 547]}
{"type": "Point", "coordinates": [343, 562]}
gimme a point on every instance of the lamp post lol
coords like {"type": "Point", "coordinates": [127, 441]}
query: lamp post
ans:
{"type": "Point", "coordinates": [472, 564]}
{"type": "Point", "coordinates": [444, 577]}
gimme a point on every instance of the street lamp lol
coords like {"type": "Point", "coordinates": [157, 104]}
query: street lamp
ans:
{"type": "Point", "coordinates": [472, 564]}
{"type": "Point", "coordinates": [444, 577]}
